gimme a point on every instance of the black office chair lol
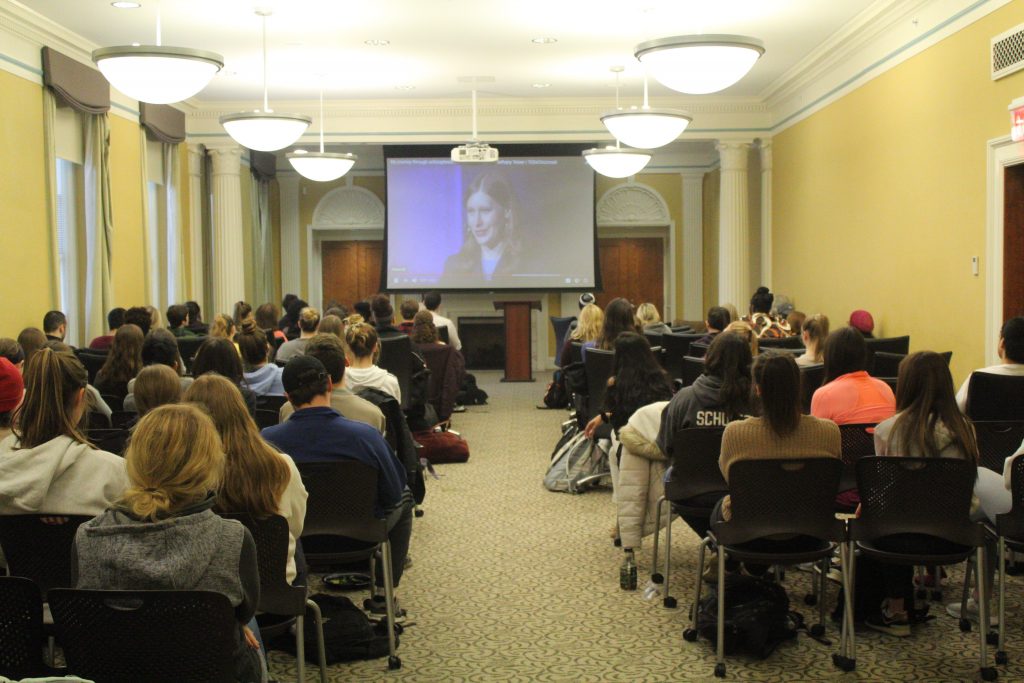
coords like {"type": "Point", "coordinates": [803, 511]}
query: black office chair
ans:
{"type": "Point", "coordinates": [899, 345]}
{"type": "Point", "coordinates": [653, 338]}
{"type": "Point", "coordinates": [576, 352]}
{"type": "Point", "coordinates": [21, 629]}
{"type": "Point", "coordinates": [277, 596]}
{"type": "Point", "coordinates": [268, 402]}
{"type": "Point", "coordinates": [887, 364]}
{"type": "Point", "coordinates": [858, 441]}
{"type": "Point", "coordinates": [187, 347]}
{"type": "Point", "coordinates": [38, 550]}
{"type": "Point", "coordinates": [791, 343]}
{"type": "Point", "coordinates": [442, 334]}
{"type": "Point", "coordinates": [698, 350]}
{"type": "Point", "coordinates": [113, 440]}
{"type": "Point", "coordinates": [769, 498]}
{"type": "Point", "coordinates": [154, 636]}
{"type": "Point", "coordinates": [266, 418]}
{"type": "Point", "coordinates": [995, 397]}
{"type": "Point", "coordinates": [811, 377]}
{"type": "Point", "coordinates": [396, 358]}
{"type": "Point", "coordinates": [561, 325]}
{"type": "Point", "coordinates": [927, 499]}
{"type": "Point", "coordinates": [93, 360]}
{"type": "Point", "coordinates": [998, 440]}
{"type": "Point", "coordinates": [677, 346]}
{"type": "Point", "coordinates": [341, 527]}
{"type": "Point", "coordinates": [598, 364]}
{"type": "Point", "coordinates": [692, 369]}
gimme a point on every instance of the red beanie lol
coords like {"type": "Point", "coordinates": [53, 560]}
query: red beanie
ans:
{"type": "Point", "coordinates": [863, 321]}
{"type": "Point", "coordinates": [12, 386]}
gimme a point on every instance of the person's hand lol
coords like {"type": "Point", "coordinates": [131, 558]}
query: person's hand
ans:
{"type": "Point", "coordinates": [592, 426]}
{"type": "Point", "coordinates": [250, 638]}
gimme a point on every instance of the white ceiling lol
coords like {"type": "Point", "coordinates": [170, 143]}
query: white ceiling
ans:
{"type": "Point", "coordinates": [435, 42]}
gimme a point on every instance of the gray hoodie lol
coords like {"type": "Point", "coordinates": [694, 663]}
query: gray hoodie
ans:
{"type": "Point", "coordinates": [697, 405]}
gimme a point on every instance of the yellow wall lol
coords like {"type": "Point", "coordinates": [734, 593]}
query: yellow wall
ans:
{"type": "Point", "coordinates": [128, 255]}
{"type": "Point", "coordinates": [23, 232]}
{"type": "Point", "coordinates": [879, 199]}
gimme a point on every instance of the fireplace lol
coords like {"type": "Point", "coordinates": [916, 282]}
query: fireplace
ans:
{"type": "Point", "coordinates": [483, 342]}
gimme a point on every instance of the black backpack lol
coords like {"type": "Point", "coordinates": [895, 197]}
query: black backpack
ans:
{"type": "Point", "coordinates": [556, 396]}
{"type": "Point", "coordinates": [348, 633]}
{"type": "Point", "coordinates": [757, 616]}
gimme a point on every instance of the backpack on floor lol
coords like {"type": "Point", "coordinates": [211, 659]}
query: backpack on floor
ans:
{"type": "Point", "coordinates": [470, 394]}
{"type": "Point", "coordinates": [440, 447]}
{"type": "Point", "coordinates": [556, 395]}
{"type": "Point", "coordinates": [757, 616]}
{"type": "Point", "coordinates": [576, 459]}
{"type": "Point", "coordinates": [348, 633]}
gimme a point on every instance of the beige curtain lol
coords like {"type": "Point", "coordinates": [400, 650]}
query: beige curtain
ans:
{"type": "Point", "coordinates": [149, 294]}
{"type": "Point", "coordinates": [99, 226]}
{"type": "Point", "coordinates": [263, 252]}
{"type": "Point", "coordinates": [50, 151]}
{"type": "Point", "coordinates": [176, 241]}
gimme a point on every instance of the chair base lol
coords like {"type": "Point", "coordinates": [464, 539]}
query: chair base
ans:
{"type": "Point", "coordinates": [844, 663]}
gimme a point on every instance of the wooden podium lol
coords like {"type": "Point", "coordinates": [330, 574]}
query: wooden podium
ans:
{"type": "Point", "coordinates": [518, 334]}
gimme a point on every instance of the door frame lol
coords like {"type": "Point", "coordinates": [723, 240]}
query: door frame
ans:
{"type": "Point", "coordinates": [1002, 152]}
{"type": "Point", "coordinates": [664, 233]}
{"type": "Point", "coordinates": [317, 238]}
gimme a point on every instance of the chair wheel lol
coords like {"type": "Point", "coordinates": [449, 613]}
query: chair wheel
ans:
{"type": "Point", "coordinates": [844, 663]}
{"type": "Point", "coordinates": [965, 625]}
{"type": "Point", "coordinates": [810, 599]}
{"type": "Point", "coordinates": [719, 670]}
{"type": "Point", "coordinates": [1001, 657]}
{"type": "Point", "coordinates": [418, 512]}
{"type": "Point", "coordinates": [656, 577]}
{"type": "Point", "coordinates": [394, 663]}
{"type": "Point", "coordinates": [690, 635]}
{"type": "Point", "coordinates": [992, 638]}
{"type": "Point", "coordinates": [817, 630]}
{"type": "Point", "coordinates": [669, 602]}
{"type": "Point", "coordinates": [989, 673]}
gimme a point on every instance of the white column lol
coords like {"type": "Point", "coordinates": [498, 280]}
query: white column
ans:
{"type": "Point", "coordinates": [195, 220]}
{"type": "Point", "coordinates": [734, 226]}
{"type": "Point", "coordinates": [766, 213]}
{"type": "Point", "coordinates": [291, 275]}
{"type": "Point", "coordinates": [228, 268]}
{"type": "Point", "coordinates": [693, 245]}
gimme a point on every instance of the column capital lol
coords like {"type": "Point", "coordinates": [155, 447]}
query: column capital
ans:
{"type": "Point", "coordinates": [227, 159]}
{"type": "Point", "coordinates": [733, 155]}
{"type": "Point", "coordinates": [195, 159]}
{"type": "Point", "coordinates": [692, 176]}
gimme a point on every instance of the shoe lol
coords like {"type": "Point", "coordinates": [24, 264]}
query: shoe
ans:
{"type": "Point", "coordinates": [378, 610]}
{"type": "Point", "coordinates": [890, 624]}
{"type": "Point", "coordinates": [953, 610]}
{"type": "Point", "coordinates": [461, 408]}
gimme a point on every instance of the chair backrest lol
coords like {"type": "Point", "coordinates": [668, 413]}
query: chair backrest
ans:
{"type": "Point", "coordinates": [653, 338]}
{"type": "Point", "coordinates": [598, 364]}
{"type": "Point", "coordinates": [396, 358]}
{"type": "Point", "coordinates": [122, 419]}
{"type": "Point", "coordinates": [692, 369]}
{"type": "Point", "coordinates": [682, 329]}
{"type": "Point", "coordinates": [342, 496]}
{"type": "Point", "coordinates": [998, 440]}
{"type": "Point", "coordinates": [187, 347]}
{"type": "Point", "coordinates": [995, 397]}
{"type": "Point", "coordinates": [930, 496]}
{"type": "Point", "coordinates": [442, 334]}
{"type": "Point", "coordinates": [576, 351]}
{"type": "Point", "coordinates": [560, 324]}
{"type": "Point", "coordinates": [889, 345]}
{"type": "Point", "coordinates": [1011, 524]}
{"type": "Point", "coordinates": [790, 342]}
{"type": "Point", "coordinates": [271, 402]}
{"type": "Point", "coordinates": [93, 360]}
{"type": "Point", "coordinates": [694, 454]}
{"type": "Point", "coordinates": [277, 596]}
{"type": "Point", "coordinates": [698, 350]}
{"type": "Point", "coordinates": [267, 418]}
{"type": "Point", "coordinates": [438, 357]}
{"type": "Point", "coordinates": [811, 377]}
{"type": "Point", "coordinates": [97, 420]}
{"type": "Point", "coordinates": [21, 628]}
{"type": "Point", "coordinates": [858, 441]}
{"type": "Point", "coordinates": [153, 636]}
{"type": "Point", "coordinates": [677, 346]}
{"type": "Point", "coordinates": [38, 550]}
{"type": "Point", "coordinates": [113, 440]}
{"type": "Point", "coordinates": [793, 496]}
{"type": "Point", "coordinates": [887, 364]}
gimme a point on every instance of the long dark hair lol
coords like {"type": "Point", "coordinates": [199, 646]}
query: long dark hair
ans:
{"type": "Point", "coordinates": [639, 379]}
{"type": "Point", "coordinates": [219, 355]}
{"type": "Point", "coordinates": [845, 352]}
{"type": "Point", "coordinates": [728, 358]}
{"type": "Point", "coordinates": [777, 377]}
{"type": "Point", "coordinates": [924, 398]}
{"type": "Point", "coordinates": [125, 357]}
{"type": "Point", "coordinates": [618, 318]}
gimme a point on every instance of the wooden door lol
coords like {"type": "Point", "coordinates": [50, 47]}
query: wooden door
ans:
{"type": "Point", "coordinates": [1013, 241]}
{"type": "Point", "coordinates": [633, 268]}
{"type": "Point", "coordinates": [351, 270]}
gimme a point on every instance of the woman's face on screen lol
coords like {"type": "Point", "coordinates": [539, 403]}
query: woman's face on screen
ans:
{"type": "Point", "coordinates": [485, 218]}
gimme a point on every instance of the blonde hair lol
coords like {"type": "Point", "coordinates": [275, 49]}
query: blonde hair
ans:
{"type": "Point", "coordinates": [155, 319]}
{"type": "Point", "coordinates": [647, 314]}
{"type": "Point", "coordinates": [331, 324]}
{"type": "Point", "coordinates": [53, 380]}
{"type": "Point", "coordinates": [361, 339]}
{"type": "Point", "coordinates": [816, 329]}
{"type": "Point", "coordinates": [222, 326]}
{"type": "Point", "coordinates": [590, 323]}
{"type": "Point", "coordinates": [174, 459]}
{"type": "Point", "coordinates": [255, 475]}
{"type": "Point", "coordinates": [156, 385]}
{"type": "Point", "coordinates": [745, 330]}
{"type": "Point", "coordinates": [309, 318]}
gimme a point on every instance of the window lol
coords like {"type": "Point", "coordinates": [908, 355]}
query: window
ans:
{"type": "Point", "coordinates": [163, 231]}
{"type": "Point", "coordinates": [69, 218]}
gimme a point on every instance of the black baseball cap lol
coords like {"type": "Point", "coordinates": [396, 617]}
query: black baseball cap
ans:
{"type": "Point", "coordinates": [302, 371]}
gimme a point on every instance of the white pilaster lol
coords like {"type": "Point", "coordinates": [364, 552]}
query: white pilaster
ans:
{"type": "Point", "coordinates": [195, 220]}
{"type": "Point", "coordinates": [734, 226]}
{"type": "Point", "coordinates": [291, 276]}
{"type": "Point", "coordinates": [228, 268]}
{"type": "Point", "coordinates": [693, 245]}
{"type": "Point", "coordinates": [766, 213]}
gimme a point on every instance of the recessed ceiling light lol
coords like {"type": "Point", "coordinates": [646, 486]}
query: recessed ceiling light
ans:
{"type": "Point", "coordinates": [377, 42]}
{"type": "Point", "coordinates": [541, 85]}
{"type": "Point", "coordinates": [123, 4]}
{"type": "Point", "coordinates": [405, 87]}
{"type": "Point", "coordinates": [544, 40]}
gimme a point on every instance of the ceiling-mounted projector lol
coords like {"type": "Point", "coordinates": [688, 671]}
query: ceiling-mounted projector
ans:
{"type": "Point", "coordinates": [475, 153]}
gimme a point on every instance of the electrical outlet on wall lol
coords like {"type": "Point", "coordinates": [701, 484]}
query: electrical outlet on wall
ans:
{"type": "Point", "coordinates": [974, 266]}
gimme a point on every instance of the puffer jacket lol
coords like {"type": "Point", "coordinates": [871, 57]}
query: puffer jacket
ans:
{"type": "Point", "coordinates": [641, 468]}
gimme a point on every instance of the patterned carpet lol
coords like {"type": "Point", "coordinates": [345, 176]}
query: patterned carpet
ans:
{"type": "Point", "coordinates": [513, 583]}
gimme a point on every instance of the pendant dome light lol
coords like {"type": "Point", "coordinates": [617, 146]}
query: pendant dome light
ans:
{"type": "Point", "coordinates": [647, 127]}
{"type": "Point", "coordinates": [157, 74]}
{"type": "Point", "coordinates": [321, 166]}
{"type": "Point", "coordinates": [700, 64]}
{"type": "Point", "coordinates": [615, 162]}
{"type": "Point", "coordinates": [265, 130]}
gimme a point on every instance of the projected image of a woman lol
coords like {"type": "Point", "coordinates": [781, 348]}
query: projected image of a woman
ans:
{"type": "Point", "coordinates": [490, 245]}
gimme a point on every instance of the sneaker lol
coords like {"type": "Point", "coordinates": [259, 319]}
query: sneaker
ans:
{"type": "Point", "coordinates": [378, 610]}
{"type": "Point", "coordinates": [953, 610]}
{"type": "Point", "coordinates": [890, 624]}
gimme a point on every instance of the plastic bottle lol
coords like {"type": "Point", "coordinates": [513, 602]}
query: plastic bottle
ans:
{"type": "Point", "coordinates": [628, 572]}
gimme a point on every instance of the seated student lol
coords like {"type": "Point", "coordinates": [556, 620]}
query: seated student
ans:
{"type": "Point", "coordinates": [637, 380]}
{"type": "Point", "coordinates": [384, 316]}
{"type": "Point", "coordinates": [746, 331]}
{"type": "Point", "coordinates": [221, 356]}
{"type": "Point", "coordinates": [31, 339]}
{"type": "Point", "coordinates": [423, 330]}
{"type": "Point", "coordinates": [286, 303]}
{"type": "Point", "coordinates": [765, 324]}
{"type": "Point", "coordinates": [330, 351]}
{"type": "Point", "coordinates": [159, 348]}
{"type": "Point", "coordinates": [47, 465]}
{"type": "Point", "coordinates": [162, 533]}
{"type": "Point", "coordinates": [848, 395]}
{"type": "Point", "coordinates": [309, 388]}
{"type": "Point", "coordinates": [293, 312]}
{"type": "Point", "coordinates": [307, 322]}
{"type": "Point", "coordinates": [155, 319]}
{"type": "Point", "coordinates": [618, 318]}
{"type": "Point", "coordinates": [55, 326]}
{"type": "Point", "coordinates": [140, 317]}
{"type": "Point", "coordinates": [124, 360]}
{"type": "Point", "coordinates": [12, 390]}
{"type": "Point", "coordinates": [243, 311]}
{"type": "Point", "coordinates": [650, 319]}
{"type": "Point", "coordinates": [261, 376]}
{"type": "Point", "coordinates": [94, 402]}
{"type": "Point", "coordinates": [115, 318]}
{"type": "Point", "coordinates": [362, 344]}
{"type": "Point", "coordinates": [862, 321]}
{"type": "Point", "coordinates": [814, 332]}
{"type": "Point", "coordinates": [177, 321]}
{"type": "Point", "coordinates": [331, 324]}
{"type": "Point", "coordinates": [12, 351]}
{"type": "Point", "coordinates": [257, 478]}
{"type": "Point", "coordinates": [1011, 353]}
{"type": "Point", "coordinates": [223, 327]}
{"type": "Point", "coordinates": [641, 475]}
{"type": "Point", "coordinates": [409, 309]}
{"type": "Point", "coordinates": [587, 330]}
{"type": "Point", "coordinates": [266, 320]}
{"type": "Point", "coordinates": [432, 302]}
{"type": "Point", "coordinates": [796, 320]}
{"type": "Point", "coordinates": [156, 385]}
{"type": "Point", "coordinates": [195, 319]}
{"type": "Point", "coordinates": [717, 320]}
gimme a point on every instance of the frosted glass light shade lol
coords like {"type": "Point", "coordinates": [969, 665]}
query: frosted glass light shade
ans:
{"type": "Point", "coordinates": [157, 74]}
{"type": "Point", "coordinates": [615, 162]}
{"type": "Point", "coordinates": [265, 131]}
{"type": "Point", "coordinates": [646, 128]}
{"type": "Point", "coordinates": [699, 64]}
{"type": "Point", "coordinates": [321, 166]}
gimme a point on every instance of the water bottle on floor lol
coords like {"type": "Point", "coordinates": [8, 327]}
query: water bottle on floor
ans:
{"type": "Point", "coordinates": [627, 572]}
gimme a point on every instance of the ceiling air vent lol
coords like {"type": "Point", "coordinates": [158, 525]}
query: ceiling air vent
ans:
{"type": "Point", "coordinates": [1008, 52]}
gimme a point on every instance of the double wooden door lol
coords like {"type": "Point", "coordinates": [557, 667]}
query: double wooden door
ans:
{"type": "Point", "coordinates": [633, 268]}
{"type": "Point", "coordinates": [351, 269]}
